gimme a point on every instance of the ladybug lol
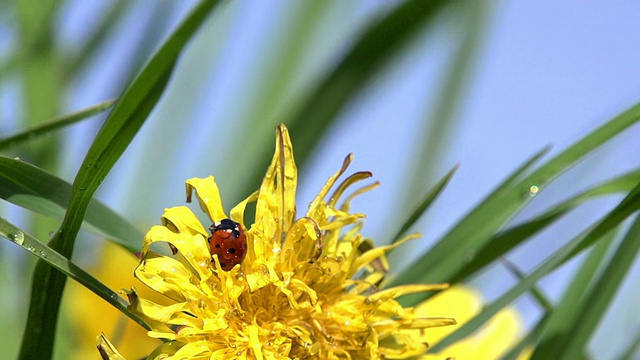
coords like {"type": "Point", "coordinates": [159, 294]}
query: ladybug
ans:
{"type": "Point", "coordinates": [229, 242]}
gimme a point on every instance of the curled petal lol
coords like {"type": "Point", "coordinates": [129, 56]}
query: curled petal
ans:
{"type": "Point", "coordinates": [107, 350]}
{"type": "Point", "coordinates": [373, 254]}
{"type": "Point", "coordinates": [302, 244]}
{"type": "Point", "coordinates": [317, 205]}
{"type": "Point", "coordinates": [180, 219]}
{"type": "Point", "coordinates": [167, 276]}
{"type": "Point", "coordinates": [237, 213]}
{"type": "Point", "coordinates": [194, 248]}
{"type": "Point", "coordinates": [352, 179]}
{"type": "Point", "coordinates": [208, 196]}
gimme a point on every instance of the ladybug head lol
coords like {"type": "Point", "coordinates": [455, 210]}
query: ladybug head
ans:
{"type": "Point", "coordinates": [226, 225]}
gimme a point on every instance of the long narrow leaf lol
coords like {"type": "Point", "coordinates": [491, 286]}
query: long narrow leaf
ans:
{"type": "Point", "coordinates": [535, 291]}
{"type": "Point", "coordinates": [564, 315]}
{"type": "Point", "coordinates": [424, 203]}
{"type": "Point", "coordinates": [631, 351]}
{"type": "Point", "coordinates": [415, 271]}
{"type": "Point", "coordinates": [377, 45]}
{"type": "Point", "coordinates": [64, 265]}
{"type": "Point", "coordinates": [55, 124]}
{"type": "Point", "coordinates": [569, 345]}
{"type": "Point", "coordinates": [35, 189]}
{"type": "Point", "coordinates": [527, 341]}
{"type": "Point", "coordinates": [508, 239]}
{"type": "Point", "coordinates": [130, 112]}
{"type": "Point", "coordinates": [477, 228]}
{"type": "Point", "coordinates": [629, 205]}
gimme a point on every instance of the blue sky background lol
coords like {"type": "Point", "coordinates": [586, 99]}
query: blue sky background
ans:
{"type": "Point", "coordinates": [546, 73]}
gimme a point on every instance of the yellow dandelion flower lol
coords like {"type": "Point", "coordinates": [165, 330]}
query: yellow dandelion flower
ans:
{"type": "Point", "coordinates": [307, 287]}
{"type": "Point", "coordinates": [492, 341]}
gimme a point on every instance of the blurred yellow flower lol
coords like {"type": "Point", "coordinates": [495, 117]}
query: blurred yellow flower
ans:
{"type": "Point", "coordinates": [492, 341]}
{"type": "Point", "coordinates": [89, 315]}
{"type": "Point", "coordinates": [307, 287]}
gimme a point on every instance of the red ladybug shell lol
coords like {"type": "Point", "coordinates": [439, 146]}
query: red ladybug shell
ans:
{"type": "Point", "coordinates": [229, 242]}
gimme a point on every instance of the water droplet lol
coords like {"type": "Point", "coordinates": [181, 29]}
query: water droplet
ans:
{"type": "Point", "coordinates": [533, 190]}
{"type": "Point", "coordinates": [51, 233]}
{"type": "Point", "coordinates": [31, 248]}
{"type": "Point", "coordinates": [16, 237]}
{"type": "Point", "coordinates": [264, 269]}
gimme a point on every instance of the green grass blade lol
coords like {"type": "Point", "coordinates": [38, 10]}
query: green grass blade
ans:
{"type": "Point", "coordinates": [424, 203]}
{"type": "Point", "coordinates": [64, 265]}
{"type": "Point", "coordinates": [414, 270]}
{"type": "Point", "coordinates": [570, 344]}
{"type": "Point", "coordinates": [34, 189]}
{"type": "Point", "coordinates": [632, 350]}
{"type": "Point", "coordinates": [130, 112]}
{"type": "Point", "coordinates": [375, 48]}
{"type": "Point", "coordinates": [537, 294]}
{"type": "Point", "coordinates": [506, 240]}
{"type": "Point", "coordinates": [476, 229]}
{"type": "Point", "coordinates": [527, 341]}
{"type": "Point", "coordinates": [589, 236]}
{"type": "Point", "coordinates": [442, 116]}
{"type": "Point", "coordinates": [107, 23]}
{"type": "Point", "coordinates": [53, 125]}
{"type": "Point", "coordinates": [574, 292]}
{"type": "Point", "coordinates": [562, 317]}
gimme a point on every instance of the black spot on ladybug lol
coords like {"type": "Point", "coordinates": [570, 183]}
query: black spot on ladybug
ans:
{"type": "Point", "coordinates": [218, 246]}
{"type": "Point", "coordinates": [232, 250]}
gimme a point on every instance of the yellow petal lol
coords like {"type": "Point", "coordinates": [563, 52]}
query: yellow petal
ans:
{"type": "Point", "coordinates": [490, 342]}
{"type": "Point", "coordinates": [208, 196]}
{"type": "Point", "coordinates": [303, 243]}
{"type": "Point", "coordinates": [167, 276]}
{"type": "Point", "coordinates": [352, 179]}
{"type": "Point", "coordinates": [180, 219]}
{"type": "Point", "coordinates": [194, 249]}
{"type": "Point", "coordinates": [237, 213]}
{"type": "Point", "coordinates": [316, 208]}
{"type": "Point", "coordinates": [107, 350]}
{"type": "Point", "coordinates": [373, 254]}
{"type": "Point", "coordinates": [276, 205]}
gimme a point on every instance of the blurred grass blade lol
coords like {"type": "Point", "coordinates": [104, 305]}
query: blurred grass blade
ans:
{"type": "Point", "coordinates": [45, 253]}
{"type": "Point", "coordinates": [565, 313]}
{"type": "Point", "coordinates": [441, 116]}
{"type": "Point", "coordinates": [476, 229]}
{"type": "Point", "coordinates": [582, 320]}
{"type": "Point", "coordinates": [55, 124]}
{"type": "Point", "coordinates": [34, 189]}
{"type": "Point", "coordinates": [506, 240]}
{"type": "Point", "coordinates": [99, 35]}
{"type": "Point", "coordinates": [424, 203]}
{"type": "Point", "coordinates": [527, 341]}
{"type": "Point", "coordinates": [592, 234]}
{"type": "Point", "coordinates": [535, 291]}
{"type": "Point", "coordinates": [376, 47]}
{"type": "Point", "coordinates": [631, 352]}
{"type": "Point", "coordinates": [130, 112]}
{"type": "Point", "coordinates": [498, 192]}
